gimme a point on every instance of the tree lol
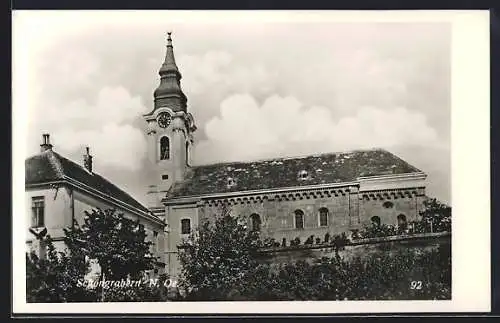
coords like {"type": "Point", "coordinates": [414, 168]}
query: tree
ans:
{"type": "Point", "coordinates": [436, 214]}
{"type": "Point", "coordinates": [223, 261]}
{"type": "Point", "coordinates": [55, 277]}
{"type": "Point", "coordinates": [218, 260]}
{"type": "Point", "coordinates": [119, 246]}
{"type": "Point", "coordinates": [117, 243]}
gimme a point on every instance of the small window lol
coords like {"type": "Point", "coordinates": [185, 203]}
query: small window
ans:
{"type": "Point", "coordinates": [187, 152]}
{"type": "Point", "coordinates": [164, 177]}
{"type": "Point", "coordinates": [38, 212]}
{"type": "Point", "coordinates": [323, 217]}
{"type": "Point", "coordinates": [164, 148]}
{"type": "Point", "coordinates": [303, 175]}
{"type": "Point", "coordinates": [185, 226]}
{"type": "Point", "coordinates": [255, 222]}
{"type": "Point", "coordinates": [388, 205]}
{"type": "Point", "coordinates": [299, 219]}
{"type": "Point", "coordinates": [231, 182]}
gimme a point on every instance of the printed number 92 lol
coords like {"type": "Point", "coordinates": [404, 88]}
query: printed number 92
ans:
{"type": "Point", "coordinates": [416, 284]}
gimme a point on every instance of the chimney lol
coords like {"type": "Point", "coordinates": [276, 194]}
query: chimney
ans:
{"type": "Point", "coordinates": [45, 143]}
{"type": "Point", "coordinates": [87, 160]}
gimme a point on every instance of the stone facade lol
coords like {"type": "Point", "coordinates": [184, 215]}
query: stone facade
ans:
{"type": "Point", "coordinates": [347, 208]}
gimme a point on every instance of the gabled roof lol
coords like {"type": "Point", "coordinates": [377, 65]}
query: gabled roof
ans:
{"type": "Point", "coordinates": [49, 166]}
{"type": "Point", "coordinates": [289, 172]}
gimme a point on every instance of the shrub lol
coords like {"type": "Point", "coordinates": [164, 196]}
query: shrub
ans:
{"type": "Point", "coordinates": [377, 277]}
{"type": "Point", "coordinates": [309, 240]}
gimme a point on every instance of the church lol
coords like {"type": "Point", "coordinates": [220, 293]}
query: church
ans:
{"type": "Point", "coordinates": [283, 198]}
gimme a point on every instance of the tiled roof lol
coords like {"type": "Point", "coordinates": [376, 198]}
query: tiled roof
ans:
{"type": "Point", "coordinates": [286, 172]}
{"type": "Point", "coordinates": [50, 166]}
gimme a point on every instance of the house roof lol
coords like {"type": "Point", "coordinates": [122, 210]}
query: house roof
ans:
{"type": "Point", "coordinates": [49, 166]}
{"type": "Point", "coordinates": [289, 172]}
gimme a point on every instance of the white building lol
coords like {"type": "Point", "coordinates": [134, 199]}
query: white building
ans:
{"type": "Point", "coordinates": [59, 190]}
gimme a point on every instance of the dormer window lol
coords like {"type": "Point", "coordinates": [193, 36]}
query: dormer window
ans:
{"type": "Point", "coordinates": [303, 175]}
{"type": "Point", "coordinates": [231, 182]}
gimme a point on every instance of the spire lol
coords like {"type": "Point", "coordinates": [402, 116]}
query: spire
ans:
{"type": "Point", "coordinates": [169, 92]}
{"type": "Point", "coordinates": [169, 63]}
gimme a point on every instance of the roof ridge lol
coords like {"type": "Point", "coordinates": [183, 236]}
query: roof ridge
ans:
{"type": "Point", "coordinates": [292, 157]}
{"type": "Point", "coordinates": [55, 161]}
{"type": "Point", "coordinates": [404, 161]}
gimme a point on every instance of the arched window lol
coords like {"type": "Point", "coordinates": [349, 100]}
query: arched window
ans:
{"type": "Point", "coordinates": [164, 148]}
{"type": "Point", "coordinates": [185, 226]}
{"type": "Point", "coordinates": [375, 221]}
{"type": "Point", "coordinates": [255, 218]}
{"type": "Point", "coordinates": [402, 223]}
{"type": "Point", "coordinates": [299, 219]}
{"type": "Point", "coordinates": [323, 217]}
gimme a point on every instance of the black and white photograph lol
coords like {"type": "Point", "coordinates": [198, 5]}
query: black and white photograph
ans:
{"type": "Point", "coordinates": [187, 158]}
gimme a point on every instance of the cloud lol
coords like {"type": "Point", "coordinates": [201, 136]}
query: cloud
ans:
{"type": "Point", "coordinates": [307, 88]}
{"type": "Point", "coordinates": [112, 105]}
{"type": "Point", "coordinates": [220, 69]}
{"type": "Point", "coordinates": [283, 126]}
{"type": "Point", "coordinates": [104, 125]}
{"type": "Point", "coordinates": [61, 74]}
{"type": "Point", "coordinates": [121, 146]}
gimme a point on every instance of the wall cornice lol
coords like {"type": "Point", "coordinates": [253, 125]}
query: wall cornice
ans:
{"type": "Point", "coordinates": [259, 196]}
{"type": "Point", "coordinates": [93, 192]}
{"type": "Point", "coordinates": [394, 182]}
{"type": "Point", "coordinates": [151, 116]}
{"type": "Point", "coordinates": [392, 193]}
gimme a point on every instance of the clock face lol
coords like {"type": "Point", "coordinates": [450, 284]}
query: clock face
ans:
{"type": "Point", "coordinates": [164, 119]}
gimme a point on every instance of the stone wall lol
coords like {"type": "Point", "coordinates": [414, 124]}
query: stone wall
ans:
{"type": "Point", "coordinates": [347, 210]}
{"type": "Point", "coordinates": [362, 248]}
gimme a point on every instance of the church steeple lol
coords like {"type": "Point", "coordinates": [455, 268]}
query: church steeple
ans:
{"type": "Point", "coordinates": [169, 132]}
{"type": "Point", "coordinates": [169, 92]}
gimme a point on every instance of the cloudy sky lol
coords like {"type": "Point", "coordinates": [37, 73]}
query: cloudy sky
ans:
{"type": "Point", "coordinates": [257, 89]}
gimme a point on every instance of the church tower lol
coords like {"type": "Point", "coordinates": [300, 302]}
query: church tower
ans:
{"type": "Point", "coordinates": [169, 132]}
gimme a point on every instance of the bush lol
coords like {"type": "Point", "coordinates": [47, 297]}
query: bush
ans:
{"type": "Point", "coordinates": [145, 293]}
{"type": "Point", "coordinates": [378, 277]}
{"type": "Point", "coordinates": [309, 240]}
{"type": "Point", "coordinates": [295, 242]}
{"type": "Point", "coordinates": [119, 246]}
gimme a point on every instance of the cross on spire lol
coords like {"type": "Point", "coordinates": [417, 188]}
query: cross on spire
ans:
{"type": "Point", "coordinates": [169, 38]}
